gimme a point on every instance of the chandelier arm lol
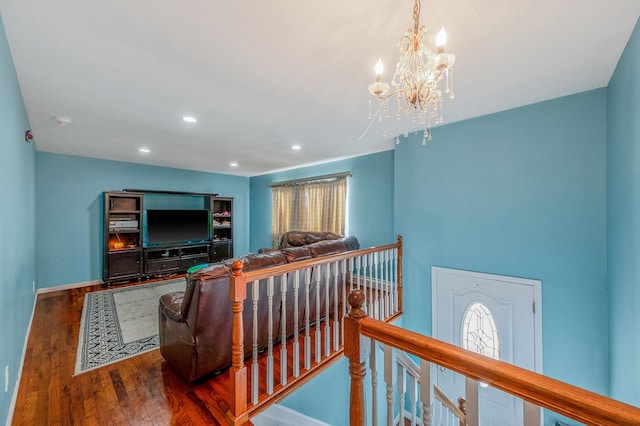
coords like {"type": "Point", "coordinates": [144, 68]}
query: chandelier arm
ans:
{"type": "Point", "coordinates": [416, 16]}
{"type": "Point", "coordinates": [388, 95]}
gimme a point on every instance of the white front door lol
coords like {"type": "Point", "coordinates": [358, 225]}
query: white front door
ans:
{"type": "Point", "coordinates": [496, 316]}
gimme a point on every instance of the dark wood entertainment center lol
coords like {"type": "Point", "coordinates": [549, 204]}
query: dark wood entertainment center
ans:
{"type": "Point", "coordinates": [127, 257]}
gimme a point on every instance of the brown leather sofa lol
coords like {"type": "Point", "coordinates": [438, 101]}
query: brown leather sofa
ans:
{"type": "Point", "coordinates": [301, 238]}
{"type": "Point", "coordinates": [196, 325]}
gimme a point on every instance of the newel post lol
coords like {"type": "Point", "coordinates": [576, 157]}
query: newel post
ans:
{"type": "Point", "coordinates": [237, 413]}
{"type": "Point", "coordinates": [356, 348]}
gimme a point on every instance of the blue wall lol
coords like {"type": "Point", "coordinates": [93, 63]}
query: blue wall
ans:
{"type": "Point", "coordinates": [17, 216]}
{"type": "Point", "coordinates": [370, 198]}
{"type": "Point", "coordinates": [519, 193]}
{"type": "Point", "coordinates": [69, 218]}
{"type": "Point", "coordinates": [623, 222]}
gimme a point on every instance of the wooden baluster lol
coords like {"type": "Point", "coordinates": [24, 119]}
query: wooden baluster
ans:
{"type": "Point", "coordinates": [255, 371]}
{"type": "Point", "coordinates": [327, 307]}
{"type": "Point", "coordinates": [402, 389]}
{"type": "Point", "coordinates": [237, 413]}
{"type": "Point", "coordinates": [355, 349]}
{"type": "Point", "coordinates": [336, 307]}
{"type": "Point", "coordinates": [283, 327]}
{"type": "Point", "coordinates": [376, 277]}
{"type": "Point", "coordinates": [344, 298]}
{"type": "Point", "coordinates": [270, 293]}
{"type": "Point", "coordinates": [472, 406]}
{"type": "Point", "coordinates": [296, 338]}
{"type": "Point", "coordinates": [383, 285]}
{"type": "Point", "coordinates": [387, 280]}
{"type": "Point", "coordinates": [436, 413]}
{"type": "Point", "coordinates": [394, 280]}
{"type": "Point", "coordinates": [366, 283]}
{"type": "Point", "coordinates": [425, 391]}
{"type": "Point", "coordinates": [373, 366]}
{"type": "Point", "coordinates": [389, 362]}
{"type": "Point", "coordinates": [351, 266]}
{"type": "Point", "coordinates": [398, 301]}
{"type": "Point", "coordinates": [413, 398]}
{"type": "Point", "coordinates": [531, 414]}
{"type": "Point", "coordinates": [307, 306]}
{"type": "Point", "coordinates": [359, 272]}
{"type": "Point", "coordinates": [372, 284]}
{"type": "Point", "coordinates": [318, 325]}
{"type": "Point", "coordinates": [383, 289]}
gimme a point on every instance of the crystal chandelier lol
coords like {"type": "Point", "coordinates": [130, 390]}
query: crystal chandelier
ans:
{"type": "Point", "coordinates": [416, 82]}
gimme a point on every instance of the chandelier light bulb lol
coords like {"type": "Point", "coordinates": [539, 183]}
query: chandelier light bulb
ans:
{"type": "Point", "coordinates": [379, 68]}
{"type": "Point", "coordinates": [441, 38]}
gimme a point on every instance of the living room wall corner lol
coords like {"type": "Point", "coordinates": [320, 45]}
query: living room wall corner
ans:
{"type": "Point", "coordinates": [17, 226]}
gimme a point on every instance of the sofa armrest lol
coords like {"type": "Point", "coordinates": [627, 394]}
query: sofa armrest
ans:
{"type": "Point", "coordinates": [267, 249]}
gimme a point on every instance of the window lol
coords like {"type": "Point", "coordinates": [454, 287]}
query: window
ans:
{"type": "Point", "coordinates": [313, 204]}
{"type": "Point", "coordinates": [479, 331]}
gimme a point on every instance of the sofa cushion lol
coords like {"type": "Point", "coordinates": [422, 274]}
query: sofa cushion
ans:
{"type": "Point", "coordinates": [294, 239]}
{"type": "Point", "coordinates": [261, 260]}
{"type": "Point", "coordinates": [295, 254]}
{"type": "Point", "coordinates": [314, 237]}
{"type": "Point", "coordinates": [327, 247]}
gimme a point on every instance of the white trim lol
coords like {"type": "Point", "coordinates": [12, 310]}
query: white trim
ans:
{"type": "Point", "coordinates": [277, 414]}
{"type": "Point", "coordinates": [68, 286]}
{"type": "Point", "coordinates": [14, 398]}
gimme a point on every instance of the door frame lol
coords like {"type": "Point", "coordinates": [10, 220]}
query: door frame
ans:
{"type": "Point", "coordinates": [537, 299]}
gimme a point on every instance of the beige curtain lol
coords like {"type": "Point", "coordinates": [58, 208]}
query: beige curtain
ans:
{"type": "Point", "coordinates": [327, 206]}
{"type": "Point", "coordinates": [309, 206]}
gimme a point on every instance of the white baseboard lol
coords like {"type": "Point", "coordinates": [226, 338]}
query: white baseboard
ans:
{"type": "Point", "coordinates": [14, 398]}
{"type": "Point", "coordinates": [279, 415]}
{"type": "Point", "coordinates": [68, 286]}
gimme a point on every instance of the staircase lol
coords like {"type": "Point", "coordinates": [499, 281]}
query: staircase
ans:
{"type": "Point", "coordinates": [534, 390]}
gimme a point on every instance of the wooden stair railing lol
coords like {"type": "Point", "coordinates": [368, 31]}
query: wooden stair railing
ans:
{"type": "Point", "coordinates": [406, 364]}
{"type": "Point", "coordinates": [534, 389]}
{"type": "Point", "coordinates": [292, 359]}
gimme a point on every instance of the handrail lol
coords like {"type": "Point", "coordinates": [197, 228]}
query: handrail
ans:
{"type": "Point", "coordinates": [568, 400]}
{"type": "Point", "coordinates": [260, 274]}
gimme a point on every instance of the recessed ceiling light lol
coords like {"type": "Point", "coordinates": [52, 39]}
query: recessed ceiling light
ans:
{"type": "Point", "coordinates": [233, 164]}
{"type": "Point", "coordinates": [189, 119]}
{"type": "Point", "coordinates": [296, 147]}
{"type": "Point", "coordinates": [144, 150]}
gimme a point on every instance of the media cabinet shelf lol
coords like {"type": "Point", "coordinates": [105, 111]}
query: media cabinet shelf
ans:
{"type": "Point", "coordinates": [173, 259]}
{"type": "Point", "coordinates": [122, 236]}
{"type": "Point", "coordinates": [125, 258]}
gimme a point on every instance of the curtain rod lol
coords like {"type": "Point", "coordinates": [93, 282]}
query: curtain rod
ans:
{"type": "Point", "coordinates": [310, 179]}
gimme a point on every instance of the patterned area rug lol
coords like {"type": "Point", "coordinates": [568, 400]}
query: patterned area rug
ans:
{"type": "Point", "coordinates": [120, 323]}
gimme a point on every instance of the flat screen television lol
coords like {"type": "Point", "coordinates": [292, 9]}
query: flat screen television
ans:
{"type": "Point", "coordinates": [164, 227]}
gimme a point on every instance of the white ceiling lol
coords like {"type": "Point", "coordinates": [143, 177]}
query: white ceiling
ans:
{"type": "Point", "coordinates": [262, 75]}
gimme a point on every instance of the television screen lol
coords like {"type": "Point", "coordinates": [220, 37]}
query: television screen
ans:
{"type": "Point", "coordinates": [176, 226]}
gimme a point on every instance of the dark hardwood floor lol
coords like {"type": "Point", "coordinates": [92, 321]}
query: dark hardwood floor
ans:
{"type": "Point", "coordinates": [141, 390]}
